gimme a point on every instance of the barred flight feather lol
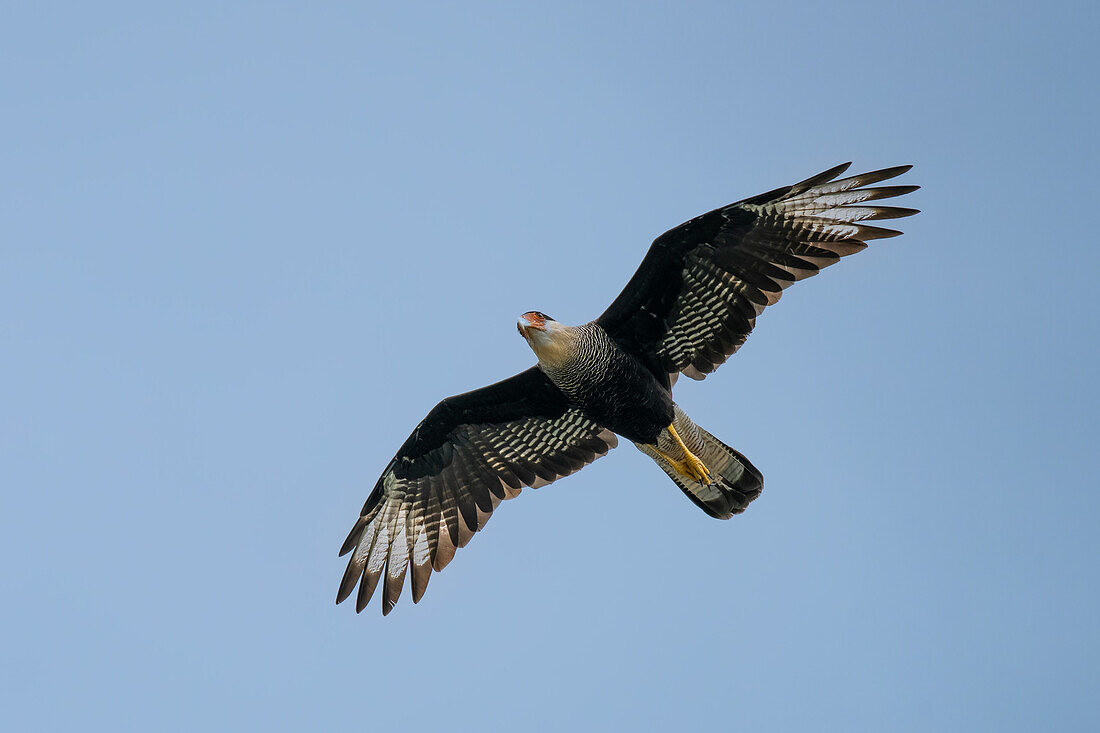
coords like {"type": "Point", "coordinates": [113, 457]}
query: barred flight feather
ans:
{"type": "Point", "coordinates": [469, 454]}
{"type": "Point", "coordinates": [692, 303]}
{"type": "Point", "coordinates": [696, 295]}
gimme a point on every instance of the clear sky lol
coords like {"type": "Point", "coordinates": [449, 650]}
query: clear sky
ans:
{"type": "Point", "coordinates": [246, 247]}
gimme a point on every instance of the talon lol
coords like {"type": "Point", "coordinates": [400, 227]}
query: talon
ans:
{"type": "Point", "coordinates": [702, 473]}
{"type": "Point", "coordinates": [691, 467]}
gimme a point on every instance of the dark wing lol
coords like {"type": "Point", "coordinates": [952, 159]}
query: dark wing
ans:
{"type": "Point", "coordinates": [470, 453]}
{"type": "Point", "coordinates": [696, 295]}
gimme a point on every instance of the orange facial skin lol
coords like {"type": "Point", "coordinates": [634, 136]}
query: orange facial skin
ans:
{"type": "Point", "coordinates": [530, 319]}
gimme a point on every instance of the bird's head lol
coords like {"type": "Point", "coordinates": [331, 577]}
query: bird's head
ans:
{"type": "Point", "coordinates": [550, 340]}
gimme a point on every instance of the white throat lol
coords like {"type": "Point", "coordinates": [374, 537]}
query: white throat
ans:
{"type": "Point", "coordinates": [554, 346]}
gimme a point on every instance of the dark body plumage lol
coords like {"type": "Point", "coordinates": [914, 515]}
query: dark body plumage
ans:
{"type": "Point", "coordinates": [691, 304]}
{"type": "Point", "coordinates": [613, 387]}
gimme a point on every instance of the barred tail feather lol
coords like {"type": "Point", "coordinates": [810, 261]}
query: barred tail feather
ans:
{"type": "Point", "coordinates": [734, 483]}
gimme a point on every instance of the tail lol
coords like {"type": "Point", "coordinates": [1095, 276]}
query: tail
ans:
{"type": "Point", "coordinates": [734, 482]}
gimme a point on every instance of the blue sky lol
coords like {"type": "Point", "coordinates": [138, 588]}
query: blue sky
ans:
{"type": "Point", "coordinates": [246, 247]}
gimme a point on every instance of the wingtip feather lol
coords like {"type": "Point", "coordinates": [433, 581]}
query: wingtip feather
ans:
{"type": "Point", "coordinates": [869, 232]}
{"type": "Point", "coordinates": [421, 574]}
{"type": "Point", "coordinates": [353, 536]}
{"type": "Point", "coordinates": [891, 212]}
{"type": "Point", "coordinates": [821, 178]}
{"type": "Point", "coordinates": [366, 589]}
{"type": "Point", "coordinates": [348, 583]}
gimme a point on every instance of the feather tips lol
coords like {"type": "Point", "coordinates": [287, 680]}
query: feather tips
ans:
{"type": "Point", "coordinates": [419, 520]}
{"type": "Point", "coordinates": [750, 252]}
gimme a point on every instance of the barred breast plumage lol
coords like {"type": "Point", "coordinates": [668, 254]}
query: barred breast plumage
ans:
{"type": "Point", "coordinates": [610, 385]}
{"type": "Point", "coordinates": [691, 304]}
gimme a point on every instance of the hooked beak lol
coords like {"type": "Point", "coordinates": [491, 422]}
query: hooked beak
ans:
{"type": "Point", "coordinates": [528, 322]}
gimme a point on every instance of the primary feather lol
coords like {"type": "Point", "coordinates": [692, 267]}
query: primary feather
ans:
{"type": "Point", "coordinates": [691, 304]}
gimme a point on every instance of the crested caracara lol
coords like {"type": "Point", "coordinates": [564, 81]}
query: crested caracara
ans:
{"type": "Point", "coordinates": [691, 304]}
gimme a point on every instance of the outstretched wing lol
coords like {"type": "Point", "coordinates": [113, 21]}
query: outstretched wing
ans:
{"type": "Point", "coordinates": [470, 453]}
{"type": "Point", "coordinates": [695, 297]}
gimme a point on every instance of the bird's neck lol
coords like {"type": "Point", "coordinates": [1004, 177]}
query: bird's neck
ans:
{"type": "Point", "coordinates": [556, 348]}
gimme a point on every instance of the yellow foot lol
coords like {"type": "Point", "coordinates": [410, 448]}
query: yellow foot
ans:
{"type": "Point", "coordinates": [691, 467]}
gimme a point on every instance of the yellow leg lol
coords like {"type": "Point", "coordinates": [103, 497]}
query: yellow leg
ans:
{"type": "Point", "coordinates": [691, 467]}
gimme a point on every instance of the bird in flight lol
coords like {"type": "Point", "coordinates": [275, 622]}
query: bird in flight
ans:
{"type": "Point", "coordinates": [691, 304]}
